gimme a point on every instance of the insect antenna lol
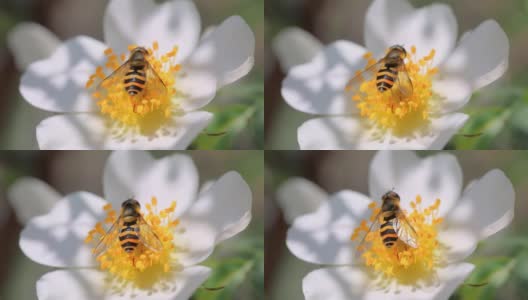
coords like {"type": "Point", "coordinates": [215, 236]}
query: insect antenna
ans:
{"type": "Point", "coordinates": [214, 133]}
{"type": "Point", "coordinates": [212, 289]}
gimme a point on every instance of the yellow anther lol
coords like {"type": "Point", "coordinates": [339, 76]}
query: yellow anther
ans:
{"type": "Point", "coordinates": [400, 112]}
{"type": "Point", "coordinates": [402, 262]}
{"type": "Point", "coordinates": [155, 46]}
{"type": "Point", "coordinates": [108, 51]}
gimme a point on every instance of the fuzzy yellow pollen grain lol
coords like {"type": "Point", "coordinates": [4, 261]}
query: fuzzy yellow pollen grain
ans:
{"type": "Point", "coordinates": [152, 106]}
{"type": "Point", "coordinates": [402, 262]}
{"type": "Point", "coordinates": [143, 262]}
{"type": "Point", "coordinates": [399, 112]}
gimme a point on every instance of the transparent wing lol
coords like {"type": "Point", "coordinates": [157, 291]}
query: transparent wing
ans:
{"type": "Point", "coordinates": [148, 237]}
{"type": "Point", "coordinates": [109, 238]}
{"type": "Point", "coordinates": [373, 227]}
{"type": "Point", "coordinates": [405, 231]}
{"type": "Point", "coordinates": [116, 77]}
{"type": "Point", "coordinates": [405, 86]}
{"type": "Point", "coordinates": [154, 83]}
{"type": "Point", "coordinates": [365, 75]}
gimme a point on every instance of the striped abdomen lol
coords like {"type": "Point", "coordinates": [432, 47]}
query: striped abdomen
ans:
{"type": "Point", "coordinates": [385, 77]}
{"type": "Point", "coordinates": [135, 79]}
{"type": "Point", "coordinates": [388, 235]}
{"type": "Point", "coordinates": [128, 236]}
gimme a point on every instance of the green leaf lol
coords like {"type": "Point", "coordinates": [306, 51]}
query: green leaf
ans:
{"type": "Point", "coordinates": [230, 121]}
{"type": "Point", "coordinates": [228, 274]}
{"type": "Point", "coordinates": [489, 123]}
{"type": "Point", "coordinates": [492, 271]}
{"type": "Point", "coordinates": [240, 273]}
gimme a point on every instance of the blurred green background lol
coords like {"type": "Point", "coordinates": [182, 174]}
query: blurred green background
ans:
{"type": "Point", "coordinates": [238, 108]}
{"type": "Point", "coordinates": [238, 263]}
{"type": "Point", "coordinates": [498, 110]}
{"type": "Point", "coordinates": [501, 260]}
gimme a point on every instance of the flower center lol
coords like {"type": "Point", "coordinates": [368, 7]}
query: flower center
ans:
{"type": "Point", "coordinates": [147, 105]}
{"type": "Point", "coordinates": [405, 264]}
{"type": "Point", "coordinates": [400, 112]}
{"type": "Point", "coordinates": [144, 266]}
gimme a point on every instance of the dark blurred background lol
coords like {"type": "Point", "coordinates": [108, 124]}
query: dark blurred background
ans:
{"type": "Point", "coordinates": [501, 260]}
{"type": "Point", "coordinates": [498, 110]}
{"type": "Point", "coordinates": [238, 262]}
{"type": "Point", "coordinates": [238, 108]}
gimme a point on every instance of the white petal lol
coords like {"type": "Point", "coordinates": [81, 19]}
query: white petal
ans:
{"type": "Point", "coordinates": [197, 90]}
{"type": "Point", "coordinates": [227, 52]}
{"type": "Point", "coordinates": [298, 196]}
{"type": "Point", "coordinates": [481, 57]}
{"type": "Point", "coordinates": [225, 206]}
{"type": "Point", "coordinates": [141, 22]}
{"type": "Point", "coordinates": [381, 20]}
{"type": "Point", "coordinates": [58, 83]}
{"type": "Point", "coordinates": [91, 284]}
{"type": "Point", "coordinates": [31, 197]}
{"type": "Point", "coordinates": [346, 283]}
{"type": "Point", "coordinates": [90, 132]}
{"type": "Point", "coordinates": [194, 240]}
{"type": "Point", "coordinates": [394, 22]}
{"type": "Point", "coordinates": [436, 176]}
{"type": "Point", "coordinates": [57, 238]}
{"type": "Point", "coordinates": [136, 174]}
{"type": "Point", "coordinates": [458, 243]}
{"type": "Point", "coordinates": [323, 237]}
{"type": "Point", "coordinates": [487, 205]}
{"type": "Point", "coordinates": [455, 93]}
{"type": "Point", "coordinates": [341, 133]}
{"type": "Point", "coordinates": [318, 87]}
{"type": "Point", "coordinates": [294, 46]}
{"type": "Point", "coordinates": [30, 42]}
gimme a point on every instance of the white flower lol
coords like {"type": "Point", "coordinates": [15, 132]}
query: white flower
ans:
{"type": "Point", "coordinates": [457, 221]}
{"type": "Point", "coordinates": [195, 221]}
{"type": "Point", "coordinates": [44, 43]}
{"type": "Point", "coordinates": [31, 197]}
{"type": "Point", "coordinates": [193, 68]}
{"type": "Point", "coordinates": [444, 75]}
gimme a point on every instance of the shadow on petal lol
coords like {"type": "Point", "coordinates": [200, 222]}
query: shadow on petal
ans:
{"type": "Point", "coordinates": [57, 238]}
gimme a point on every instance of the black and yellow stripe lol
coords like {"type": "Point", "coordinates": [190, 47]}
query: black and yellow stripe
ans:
{"type": "Point", "coordinates": [385, 77]}
{"type": "Point", "coordinates": [135, 79]}
{"type": "Point", "coordinates": [388, 235]}
{"type": "Point", "coordinates": [128, 235]}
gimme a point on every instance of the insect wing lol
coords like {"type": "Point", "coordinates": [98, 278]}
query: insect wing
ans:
{"type": "Point", "coordinates": [154, 85]}
{"type": "Point", "coordinates": [109, 238]}
{"type": "Point", "coordinates": [405, 231]}
{"type": "Point", "coordinates": [373, 227]}
{"type": "Point", "coordinates": [147, 237]}
{"type": "Point", "coordinates": [405, 86]}
{"type": "Point", "coordinates": [354, 83]}
{"type": "Point", "coordinates": [117, 77]}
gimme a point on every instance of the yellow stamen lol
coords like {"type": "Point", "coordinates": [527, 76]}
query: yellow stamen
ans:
{"type": "Point", "coordinates": [146, 111]}
{"type": "Point", "coordinates": [403, 263]}
{"type": "Point", "coordinates": [391, 110]}
{"type": "Point", "coordinates": [143, 267]}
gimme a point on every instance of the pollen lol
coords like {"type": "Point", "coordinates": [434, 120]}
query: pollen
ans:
{"type": "Point", "coordinates": [405, 264]}
{"type": "Point", "coordinates": [143, 267]}
{"type": "Point", "coordinates": [149, 109]}
{"type": "Point", "coordinates": [401, 115]}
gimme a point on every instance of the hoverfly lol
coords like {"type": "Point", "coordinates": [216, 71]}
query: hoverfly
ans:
{"type": "Point", "coordinates": [392, 223]}
{"type": "Point", "coordinates": [390, 71]}
{"type": "Point", "coordinates": [131, 230]}
{"type": "Point", "coordinates": [137, 75]}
